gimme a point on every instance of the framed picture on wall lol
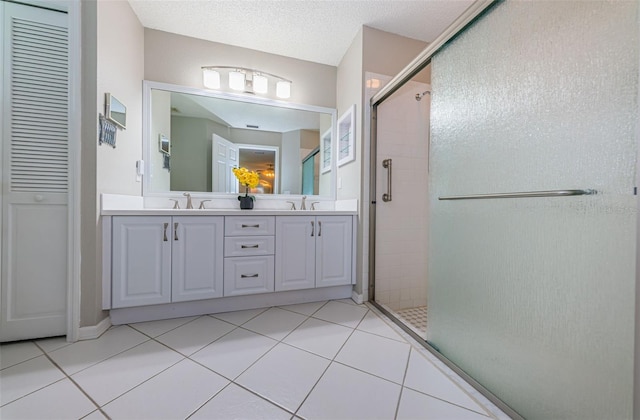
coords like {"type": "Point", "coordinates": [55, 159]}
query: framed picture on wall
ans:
{"type": "Point", "coordinates": [164, 144]}
{"type": "Point", "coordinates": [346, 136]}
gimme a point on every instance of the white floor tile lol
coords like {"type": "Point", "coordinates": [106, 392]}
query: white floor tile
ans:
{"type": "Point", "coordinates": [320, 337]}
{"type": "Point", "coordinates": [24, 378]}
{"type": "Point", "coordinates": [239, 317]}
{"type": "Point", "coordinates": [377, 355]}
{"type": "Point", "coordinates": [61, 400]}
{"type": "Point", "coordinates": [414, 405]}
{"type": "Point", "coordinates": [285, 375]}
{"type": "Point", "coordinates": [195, 335]}
{"type": "Point", "coordinates": [117, 375]}
{"type": "Point", "coordinates": [173, 394]}
{"type": "Point", "coordinates": [373, 324]}
{"type": "Point", "coordinates": [14, 353]}
{"type": "Point", "coordinates": [347, 301]}
{"type": "Point", "coordinates": [275, 323]}
{"type": "Point", "coordinates": [95, 415]}
{"type": "Point", "coordinates": [423, 376]}
{"type": "Point", "coordinates": [304, 308]}
{"type": "Point", "coordinates": [82, 354]}
{"type": "Point", "coordinates": [234, 353]}
{"type": "Point", "coordinates": [53, 343]}
{"type": "Point", "coordinates": [346, 393]}
{"type": "Point", "coordinates": [237, 403]}
{"type": "Point", "coordinates": [156, 328]}
{"type": "Point", "coordinates": [341, 313]}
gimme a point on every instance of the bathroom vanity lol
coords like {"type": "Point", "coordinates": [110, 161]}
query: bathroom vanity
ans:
{"type": "Point", "coordinates": [165, 263]}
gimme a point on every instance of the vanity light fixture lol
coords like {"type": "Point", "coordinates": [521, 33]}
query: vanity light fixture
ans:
{"type": "Point", "coordinates": [246, 80]}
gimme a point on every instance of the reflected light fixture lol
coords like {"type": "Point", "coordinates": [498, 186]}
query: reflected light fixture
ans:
{"type": "Point", "coordinates": [245, 80]}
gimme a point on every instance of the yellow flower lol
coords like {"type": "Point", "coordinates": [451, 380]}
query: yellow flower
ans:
{"type": "Point", "coordinates": [247, 178]}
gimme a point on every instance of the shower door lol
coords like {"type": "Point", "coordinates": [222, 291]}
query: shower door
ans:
{"type": "Point", "coordinates": [533, 296]}
{"type": "Point", "coordinates": [402, 204]}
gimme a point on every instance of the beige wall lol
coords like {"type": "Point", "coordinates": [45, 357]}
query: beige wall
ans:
{"type": "Point", "coordinates": [119, 70]}
{"type": "Point", "coordinates": [178, 59]}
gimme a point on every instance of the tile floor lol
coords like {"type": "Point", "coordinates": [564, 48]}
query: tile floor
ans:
{"type": "Point", "coordinates": [322, 360]}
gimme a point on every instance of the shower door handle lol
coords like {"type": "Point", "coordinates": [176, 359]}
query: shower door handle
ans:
{"type": "Point", "coordinates": [387, 165]}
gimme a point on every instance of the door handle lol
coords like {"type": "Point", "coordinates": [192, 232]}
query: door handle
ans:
{"type": "Point", "coordinates": [319, 228]}
{"type": "Point", "coordinates": [175, 231]}
{"type": "Point", "coordinates": [313, 228]}
{"type": "Point", "coordinates": [387, 165]}
{"type": "Point", "coordinates": [166, 225]}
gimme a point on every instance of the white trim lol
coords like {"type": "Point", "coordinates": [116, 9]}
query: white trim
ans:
{"type": "Point", "coordinates": [357, 298]}
{"type": "Point", "coordinates": [73, 207]}
{"type": "Point", "coordinates": [95, 331]}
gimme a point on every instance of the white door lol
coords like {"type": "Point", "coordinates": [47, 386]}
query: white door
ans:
{"type": "Point", "coordinates": [295, 252]}
{"type": "Point", "coordinates": [35, 187]}
{"type": "Point", "coordinates": [197, 257]}
{"type": "Point", "coordinates": [333, 250]}
{"type": "Point", "coordinates": [224, 159]}
{"type": "Point", "coordinates": [141, 272]}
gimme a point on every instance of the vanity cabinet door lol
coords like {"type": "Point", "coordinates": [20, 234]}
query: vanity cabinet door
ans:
{"type": "Point", "coordinates": [197, 257]}
{"type": "Point", "coordinates": [295, 252]}
{"type": "Point", "coordinates": [141, 270]}
{"type": "Point", "coordinates": [334, 238]}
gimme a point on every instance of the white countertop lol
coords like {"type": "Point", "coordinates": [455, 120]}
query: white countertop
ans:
{"type": "Point", "coordinates": [122, 205]}
{"type": "Point", "coordinates": [223, 212]}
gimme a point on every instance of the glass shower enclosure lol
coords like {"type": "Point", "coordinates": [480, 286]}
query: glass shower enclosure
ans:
{"type": "Point", "coordinates": [531, 203]}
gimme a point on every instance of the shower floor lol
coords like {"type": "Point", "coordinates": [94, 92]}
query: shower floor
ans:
{"type": "Point", "coordinates": [416, 318]}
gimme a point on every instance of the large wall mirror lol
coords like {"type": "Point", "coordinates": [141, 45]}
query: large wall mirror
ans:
{"type": "Point", "coordinates": [209, 133]}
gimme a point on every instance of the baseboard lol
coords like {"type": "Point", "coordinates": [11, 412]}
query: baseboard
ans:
{"type": "Point", "coordinates": [95, 331]}
{"type": "Point", "coordinates": [357, 298]}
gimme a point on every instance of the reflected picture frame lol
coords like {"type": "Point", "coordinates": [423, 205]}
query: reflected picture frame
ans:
{"type": "Point", "coordinates": [164, 144]}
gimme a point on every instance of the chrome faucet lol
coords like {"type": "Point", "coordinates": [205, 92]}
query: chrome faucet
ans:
{"type": "Point", "coordinates": [189, 203]}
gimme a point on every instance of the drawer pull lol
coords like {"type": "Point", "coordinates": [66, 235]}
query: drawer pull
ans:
{"type": "Point", "coordinates": [313, 228]}
{"type": "Point", "coordinates": [319, 228]}
{"type": "Point", "coordinates": [166, 225]}
{"type": "Point", "coordinates": [250, 226]}
{"type": "Point", "coordinates": [249, 246]}
{"type": "Point", "coordinates": [244, 276]}
{"type": "Point", "coordinates": [175, 231]}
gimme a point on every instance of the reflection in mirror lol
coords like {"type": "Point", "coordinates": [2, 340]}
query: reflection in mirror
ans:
{"type": "Point", "coordinates": [211, 133]}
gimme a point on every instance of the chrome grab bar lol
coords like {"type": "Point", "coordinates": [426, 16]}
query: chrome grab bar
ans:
{"type": "Point", "coordinates": [387, 165]}
{"type": "Point", "coordinates": [526, 194]}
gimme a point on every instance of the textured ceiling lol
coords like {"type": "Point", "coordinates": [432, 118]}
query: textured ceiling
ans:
{"type": "Point", "coordinates": [317, 31]}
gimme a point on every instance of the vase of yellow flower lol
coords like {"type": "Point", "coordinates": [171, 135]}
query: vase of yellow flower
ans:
{"type": "Point", "coordinates": [249, 179]}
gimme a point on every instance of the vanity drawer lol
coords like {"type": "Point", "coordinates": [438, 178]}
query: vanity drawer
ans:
{"type": "Point", "coordinates": [243, 246]}
{"type": "Point", "coordinates": [248, 275]}
{"type": "Point", "coordinates": [249, 225]}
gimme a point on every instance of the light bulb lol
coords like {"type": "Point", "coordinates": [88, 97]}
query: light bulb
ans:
{"type": "Point", "coordinates": [260, 83]}
{"type": "Point", "coordinates": [236, 80]}
{"type": "Point", "coordinates": [211, 79]}
{"type": "Point", "coordinates": [283, 89]}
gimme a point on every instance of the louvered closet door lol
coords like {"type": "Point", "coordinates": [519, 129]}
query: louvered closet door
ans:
{"type": "Point", "coordinates": [35, 172]}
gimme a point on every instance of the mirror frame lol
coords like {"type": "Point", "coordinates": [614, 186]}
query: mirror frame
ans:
{"type": "Point", "coordinates": [148, 85]}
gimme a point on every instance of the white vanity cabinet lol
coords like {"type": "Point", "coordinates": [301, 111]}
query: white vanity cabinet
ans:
{"type": "Point", "coordinates": [163, 259]}
{"type": "Point", "coordinates": [313, 251]}
{"type": "Point", "coordinates": [248, 250]}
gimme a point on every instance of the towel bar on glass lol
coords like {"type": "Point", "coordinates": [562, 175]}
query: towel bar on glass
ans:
{"type": "Point", "coordinates": [526, 194]}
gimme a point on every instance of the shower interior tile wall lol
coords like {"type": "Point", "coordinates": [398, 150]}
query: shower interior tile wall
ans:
{"type": "Point", "coordinates": [401, 225]}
